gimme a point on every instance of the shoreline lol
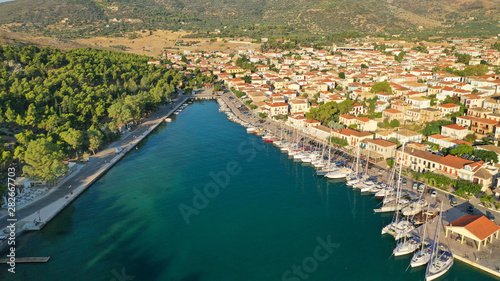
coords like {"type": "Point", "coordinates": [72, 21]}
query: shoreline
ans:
{"type": "Point", "coordinates": [45, 214]}
{"type": "Point", "coordinates": [313, 138]}
{"type": "Point", "coordinates": [150, 127]}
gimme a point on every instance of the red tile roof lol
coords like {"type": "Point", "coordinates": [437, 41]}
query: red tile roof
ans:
{"type": "Point", "coordinates": [479, 226]}
{"type": "Point", "coordinates": [455, 127]}
{"type": "Point", "coordinates": [392, 110]}
{"type": "Point", "coordinates": [454, 162]}
{"type": "Point", "coordinates": [383, 143]}
{"type": "Point", "coordinates": [448, 105]}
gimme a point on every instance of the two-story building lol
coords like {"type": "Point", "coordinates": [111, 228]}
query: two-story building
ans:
{"type": "Point", "coordinates": [352, 137]}
{"type": "Point", "coordinates": [298, 105]}
{"type": "Point", "coordinates": [429, 114]}
{"type": "Point", "coordinates": [448, 108]}
{"type": "Point", "coordinates": [465, 121]}
{"type": "Point", "coordinates": [276, 108]}
{"type": "Point", "coordinates": [385, 149]}
{"type": "Point", "coordinates": [454, 131]}
{"type": "Point", "coordinates": [482, 126]}
{"type": "Point", "coordinates": [419, 102]}
{"type": "Point", "coordinates": [392, 114]}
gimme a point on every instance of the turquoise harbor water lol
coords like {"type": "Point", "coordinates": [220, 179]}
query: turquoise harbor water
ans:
{"type": "Point", "coordinates": [269, 217]}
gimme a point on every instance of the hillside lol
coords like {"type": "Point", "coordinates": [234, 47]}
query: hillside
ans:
{"type": "Point", "coordinates": [73, 18]}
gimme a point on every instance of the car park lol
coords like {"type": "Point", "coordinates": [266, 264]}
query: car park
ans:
{"type": "Point", "coordinates": [453, 201]}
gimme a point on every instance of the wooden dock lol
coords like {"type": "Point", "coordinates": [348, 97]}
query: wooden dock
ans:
{"type": "Point", "coordinates": [27, 260]}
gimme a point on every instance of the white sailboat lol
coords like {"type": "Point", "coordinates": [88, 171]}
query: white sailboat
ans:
{"type": "Point", "coordinates": [441, 260]}
{"type": "Point", "coordinates": [423, 255]}
{"type": "Point", "coordinates": [407, 246]}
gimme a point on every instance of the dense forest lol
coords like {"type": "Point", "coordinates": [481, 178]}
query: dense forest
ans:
{"type": "Point", "coordinates": [55, 106]}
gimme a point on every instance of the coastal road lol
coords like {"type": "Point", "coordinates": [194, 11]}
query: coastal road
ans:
{"type": "Point", "coordinates": [96, 162]}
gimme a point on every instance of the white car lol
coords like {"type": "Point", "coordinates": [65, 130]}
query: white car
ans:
{"type": "Point", "coordinates": [415, 185]}
{"type": "Point", "coordinates": [434, 193]}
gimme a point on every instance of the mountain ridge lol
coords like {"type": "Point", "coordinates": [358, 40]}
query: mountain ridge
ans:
{"type": "Point", "coordinates": [106, 17]}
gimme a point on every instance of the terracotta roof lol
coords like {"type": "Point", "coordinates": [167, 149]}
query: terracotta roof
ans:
{"type": "Point", "coordinates": [383, 143]}
{"type": "Point", "coordinates": [479, 226]}
{"type": "Point", "coordinates": [489, 121]}
{"type": "Point", "coordinates": [392, 110]}
{"type": "Point", "coordinates": [483, 174]}
{"type": "Point", "coordinates": [454, 162]}
{"type": "Point", "coordinates": [423, 155]}
{"type": "Point", "coordinates": [459, 142]}
{"type": "Point", "coordinates": [276, 104]}
{"type": "Point", "coordinates": [448, 105]}
{"type": "Point", "coordinates": [467, 117]}
{"type": "Point", "coordinates": [455, 127]}
{"type": "Point", "coordinates": [364, 119]}
{"type": "Point", "coordinates": [347, 116]}
{"type": "Point", "coordinates": [437, 136]}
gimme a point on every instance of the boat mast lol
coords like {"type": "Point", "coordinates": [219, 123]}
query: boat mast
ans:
{"type": "Point", "coordinates": [434, 243]}
{"type": "Point", "coordinates": [398, 190]}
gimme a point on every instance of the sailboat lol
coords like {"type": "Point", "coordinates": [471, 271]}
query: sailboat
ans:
{"type": "Point", "coordinates": [441, 260]}
{"type": "Point", "coordinates": [407, 246]}
{"type": "Point", "coordinates": [397, 228]}
{"type": "Point", "coordinates": [422, 256]}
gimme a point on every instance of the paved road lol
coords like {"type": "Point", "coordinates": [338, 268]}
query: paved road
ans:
{"type": "Point", "coordinates": [95, 163]}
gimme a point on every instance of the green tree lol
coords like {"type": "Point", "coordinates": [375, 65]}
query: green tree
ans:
{"type": "Point", "coordinates": [95, 138]}
{"type": "Point", "coordinates": [486, 155]}
{"type": "Point", "coordinates": [394, 123]}
{"type": "Point", "coordinates": [461, 150]}
{"type": "Point", "coordinates": [381, 87]}
{"type": "Point", "coordinates": [74, 138]}
{"type": "Point", "coordinates": [247, 78]}
{"type": "Point", "coordinates": [342, 75]}
{"type": "Point", "coordinates": [471, 138]}
{"type": "Point", "coordinates": [43, 160]}
{"type": "Point", "coordinates": [390, 162]}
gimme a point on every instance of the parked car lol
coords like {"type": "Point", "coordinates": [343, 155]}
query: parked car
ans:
{"type": "Point", "coordinates": [470, 210]}
{"type": "Point", "coordinates": [453, 201]}
{"type": "Point", "coordinates": [420, 188]}
{"type": "Point", "coordinates": [434, 193]}
{"type": "Point", "coordinates": [415, 185]}
{"type": "Point", "coordinates": [490, 216]}
{"type": "Point", "coordinates": [380, 171]}
{"type": "Point", "coordinates": [404, 181]}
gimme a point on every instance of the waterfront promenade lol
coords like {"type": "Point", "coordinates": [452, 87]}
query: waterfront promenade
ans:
{"type": "Point", "coordinates": [46, 208]}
